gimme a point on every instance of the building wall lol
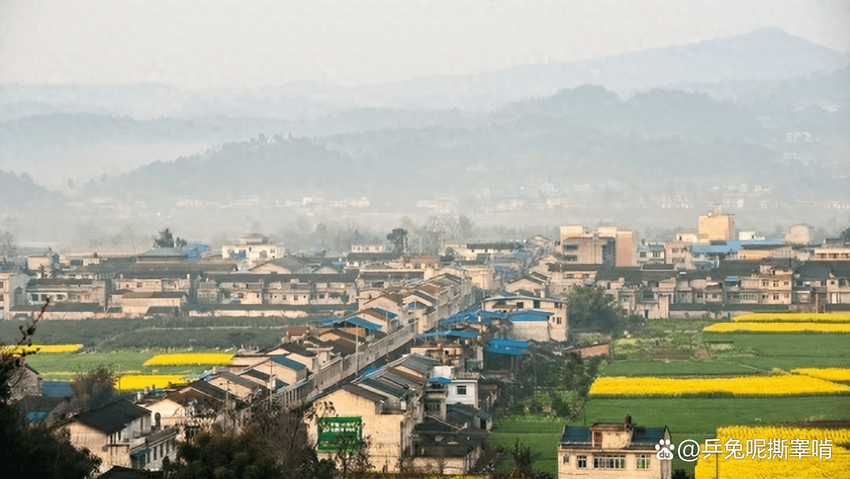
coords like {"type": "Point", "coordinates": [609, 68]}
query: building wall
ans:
{"type": "Point", "coordinates": [13, 287]}
{"type": "Point", "coordinates": [568, 465]}
{"type": "Point", "coordinates": [384, 431]}
{"type": "Point", "coordinates": [717, 226]}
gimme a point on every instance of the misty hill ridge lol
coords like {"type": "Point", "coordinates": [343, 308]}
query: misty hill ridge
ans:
{"type": "Point", "coordinates": [582, 135]}
{"type": "Point", "coordinates": [765, 54]}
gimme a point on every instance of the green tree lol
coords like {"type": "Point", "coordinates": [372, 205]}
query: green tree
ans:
{"type": "Point", "coordinates": [216, 455]}
{"type": "Point", "coordinates": [590, 310]}
{"type": "Point", "coordinates": [166, 239]}
{"type": "Point", "coordinates": [398, 237]}
{"type": "Point", "coordinates": [352, 455]}
{"type": "Point", "coordinates": [93, 389]}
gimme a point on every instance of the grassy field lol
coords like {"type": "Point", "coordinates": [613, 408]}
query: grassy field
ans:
{"type": "Point", "coordinates": [538, 433]}
{"type": "Point", "coordinates": [698, 418]}
{"type": "Point", "coordinates": [719, 354]}
{"type": "Point", "coordinates": [105, 334]}
{"type": "Point", "coordinates": [677, 368]}
{"type": "Point", "coordinates": [65, 366]}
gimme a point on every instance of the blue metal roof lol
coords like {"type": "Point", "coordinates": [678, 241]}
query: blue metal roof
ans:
{"type": "Point", "coordinates": [503, 350]}
{"type": "Point", "coordinates": [510, 343]}
{"type": "Point", "coordinates": [452, 333]}
{"type": "Point", "coordinates": [286, 362]}
{"type": "Point", "coordinates": [530, 315]}
{"type": "Point", "coordinates": [359, 322]}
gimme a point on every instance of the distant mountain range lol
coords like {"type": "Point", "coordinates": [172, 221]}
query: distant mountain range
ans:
{"type": "Point", "coordinates": [768, 54]}
{"type": "Point", "coordinates": [683, 118]}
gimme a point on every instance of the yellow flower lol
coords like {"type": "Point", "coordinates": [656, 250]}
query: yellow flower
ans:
{"type": "Point", "coordinates": [784, 385]}
{"type": "Point", "coordinates": [830, 374]}
{"type": "Point", "coordinates": [796, 462]}
{"type": "Point", "coordinates": [130, 382]}
{"type": "Point", "coordinates": [778, 327]}
{"type": "Point", "coordinates": [43, 348]}
{"type": "Point", "coordinates": [793, 318]}
{"type": "Point", "coordinates": [182, 359]}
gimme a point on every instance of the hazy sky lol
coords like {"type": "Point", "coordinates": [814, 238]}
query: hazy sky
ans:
{"type": "Point", "coordinates": [211, 43]}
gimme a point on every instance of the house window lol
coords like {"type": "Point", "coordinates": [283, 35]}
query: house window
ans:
{"type": "Point", "coordinates": [558, 320]}
{"type": "Point", "coordinates": [609, 461]}
{"type": "Point", "coordinates": [520, 305]}
{"type": "Point", "coordinates": [581, 462]}
{"type": "Point", "coordinates": [565, 459]}
{"type": "Point", "coordinates": [571, 258]}
{"type": "Point", "coordinates": [643, 461]}
{"type": "Point", "coordinates": [461, 390]}
{"type": "Point", "coordinates": [643, 254]}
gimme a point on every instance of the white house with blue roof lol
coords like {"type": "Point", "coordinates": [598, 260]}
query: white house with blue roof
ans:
{"type": "Point", "coordinates": [532, 318]}
{"type": "Point", "coordinates": [613, 450]}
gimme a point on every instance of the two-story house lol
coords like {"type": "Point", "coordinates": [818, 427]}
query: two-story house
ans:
{"type": "Point", "coordinates": [121, 434]}
{"type": "Point", "coordinates": [611, 450]}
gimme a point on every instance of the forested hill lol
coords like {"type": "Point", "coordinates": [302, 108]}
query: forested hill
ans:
{"type": "Point", "coordinates": [585, 135]}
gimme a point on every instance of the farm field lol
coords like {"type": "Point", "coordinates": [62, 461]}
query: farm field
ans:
{"type": "Point", "coordinates": [803, 459]}
{"type": "Point", "coordinates": [104, 334]}
{"type": "Point", "coordinates": [699, 418]}
{"type": "Point", "coordinates": [678, 368]}
{"type": "Point", "coordinates": [65, 366]}
{"type": "Point", "coordinates": [673, 349]}
{"type": "Point", "coordinates": [541, 434]}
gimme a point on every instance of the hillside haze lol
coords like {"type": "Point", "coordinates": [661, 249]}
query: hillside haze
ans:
{"type": "Point", "coordinates": [757, 123]}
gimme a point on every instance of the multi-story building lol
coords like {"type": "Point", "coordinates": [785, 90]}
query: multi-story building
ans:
{"type": "Point", "coordinates": [254, 249]}
{"type": "Point", "coordinates": [610, 450]}
{"type": "Point", "coordinates": [13, 290]}
{"type": "Point", "coordinates": [121, 434]}
{"type": "Point", "coordinates": [582, 247]}
{"type": "Point", "coordinates": [717, 226]}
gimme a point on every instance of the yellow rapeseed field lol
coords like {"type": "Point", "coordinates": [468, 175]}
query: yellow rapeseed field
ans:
{"type": "Point", "coordinates": [779, 327]}
{"type": "Point", "coordinates": [830, 374]}
{"type": "Point", "coordinates": [44, 348]}
{"type": "Point", "coordinates": [794, 460]}
{"type": "Point", "coordinates": [183, 359]}
{"type": "Point", "coordinates": [782, 385]}
{"type": "Point", "coordinates": [130, 382]}
{"type": "Point", "coordinates": [793, 318]}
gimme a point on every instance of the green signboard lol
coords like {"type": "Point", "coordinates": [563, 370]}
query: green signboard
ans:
{"type": "Point", "coordinates": [334, 431]}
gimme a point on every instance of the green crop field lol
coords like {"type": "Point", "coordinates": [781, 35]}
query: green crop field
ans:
{"type": "Point", "coordinates": [732, 354]}
{"type": "Point", "coordinates": [677, 368]}
{"type": "Point", "coordinates": [540, 434]}
{"type": "Point", "coordinates": [65, 366]}
{"type": "Point", "coordinates": [107, 334]}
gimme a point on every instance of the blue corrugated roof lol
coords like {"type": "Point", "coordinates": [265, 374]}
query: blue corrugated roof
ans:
{"type": "Point", "coordinates": [359, 322]}
{"type": "Point", "coordinates": [576, 435]}
{"type": "Point", "coordinates": [452, 333]}
{"type": "Point", "coordinates": [286, 362]}
{"type": "Point", "coordinates": [503, 350]}
{"type": "Point", "coordinates": [530, 315]}
{"type": "Point", "coordinates": [510, 343]}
